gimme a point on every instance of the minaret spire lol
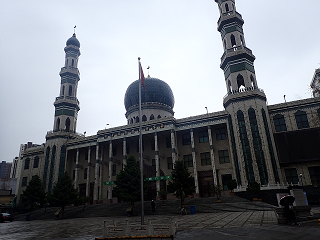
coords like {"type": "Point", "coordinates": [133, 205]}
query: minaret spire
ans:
{"type": "Point", "coordinates": [67, 104]}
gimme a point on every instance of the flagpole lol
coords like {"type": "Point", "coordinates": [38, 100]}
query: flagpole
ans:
{"type": "Point", "coordinates": [140, 143]}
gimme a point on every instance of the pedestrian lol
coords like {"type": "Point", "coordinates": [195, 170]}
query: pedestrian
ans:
{"type": "Point", "coordinates": [288, 212]}
{"type": "Point", "coordinates": [153, 206]}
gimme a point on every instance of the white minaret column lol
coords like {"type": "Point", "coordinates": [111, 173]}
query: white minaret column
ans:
{"type": "Point", "coordinates": [124, 161]}
{"type": "Point", "coordinates": [76, 179]}
{"type": "Point", "coordinates": [195, 172]}
{"type": "Point", "coordinates": [88, 173]}
{"type": "Point", "coordinates": [157, 160]}
{"type": "Point", "coordinates": [96, 176]}
{"type": "Point", "coordinates": [110, 170]}
{"type": "Point", "coordinates": [173, 147]}
{"type": "Point", "coordinates": [212, 157]}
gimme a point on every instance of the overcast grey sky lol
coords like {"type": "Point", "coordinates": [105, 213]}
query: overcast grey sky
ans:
{"type": "Point", "coordinates": [176, 38]}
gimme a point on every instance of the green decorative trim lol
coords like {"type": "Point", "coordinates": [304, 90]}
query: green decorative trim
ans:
{"type": "Point", "coordinates": [109, 183]}
{"type": "Point", "coordinates": [67, 112]}
{"type": "Point", "coordinates": [231, 29]}
{"type": "Point", "coordinates": [68, 80]}
{"type": "Point", "coordinates": [237, 68]}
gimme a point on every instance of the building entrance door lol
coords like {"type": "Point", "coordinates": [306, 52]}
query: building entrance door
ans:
{"type": "Point", "coordinates": [205, 179]}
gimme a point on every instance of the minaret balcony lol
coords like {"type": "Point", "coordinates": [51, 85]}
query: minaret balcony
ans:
{"type": "Point", "coordinates": [69, 69]}
{"type": "Point", "coordinates": [243, 94]}
{"type": "Point", "coordinates": [68, 98]}
{"type": "Point", "coordinates": [62, 133]}
{"type": "Point", "coordinates": [229, 17]}
{"type": "Point", "coordinates": [232, 53]}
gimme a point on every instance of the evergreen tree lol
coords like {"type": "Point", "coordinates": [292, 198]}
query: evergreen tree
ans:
{"type": "Point", "coordinates": [182, 182]}
{"type": "Point", "coordinates": [64, 193]}
{"type": "Point", "coordinates": [34, 196]}
{"type": "Point", "coordinates": [128, 181]}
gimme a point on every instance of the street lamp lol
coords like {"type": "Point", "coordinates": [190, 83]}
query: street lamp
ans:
{"type": "Point", "coordinates": [206, 109]}
{"type": "Point", "coordinates": [301, 180]}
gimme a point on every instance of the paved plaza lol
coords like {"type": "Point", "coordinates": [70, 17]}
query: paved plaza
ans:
{"type": "Point", "coordinates": [222, 225]}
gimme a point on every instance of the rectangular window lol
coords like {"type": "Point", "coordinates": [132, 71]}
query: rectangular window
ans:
{"type": "Point", "coordinates": [223, 156]}
{"type": "Point", "coordinates": [186, 139]}
{"type": "Point", "coordinates": [152, 145]}
{"type": "Point", "coordinates": [114, 151]}
{"type": "Point", "coordinates": [302, 120]}
{"type": "Point", "coordinates": [205, 159]}
{"type": "Point", "coordinates": [27, 163]}
{"type": "Point", "coordinates": [153, 162]}
{"type": "Point", "coordinates": [114, 169]}
{"type": "Point", "coordinates": [85, 174]}
{"type": "Point", "coordinates": [279, 123]}
{"type": "Point", "coordinates": [86, 155]}
{"type": "Point", "coordinates": [169, 163]}
{"type": "Point", "coordinates": [24, 181]}
{"type": "Point", "coordinates": [225, 178]}
{"type": "Point", "coordinates": [291, 175]}
{"type": "Point", "coordinates": [221, 133]}
{"type": "Point", "coordinates": [315, 175]}
{"type": "Point", "coordinates": [187, 159]}
{"type": "Point", "coordinates": [168, 142]}
{"type": "Point", "coordinates": [203, 136]}
{"type": "Point", "coordinates": [128, 147]}
{"type": "Point", "coordinates": [36, 162]}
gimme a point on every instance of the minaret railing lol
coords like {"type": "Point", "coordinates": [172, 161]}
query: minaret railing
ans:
{"type": "Point", "coordinates": [241, 90]}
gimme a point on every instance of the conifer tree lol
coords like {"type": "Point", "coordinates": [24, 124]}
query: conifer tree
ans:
{"type": "Point", "coordinates": [64, 193]}
{"type": "Point", "coordinates": [34, 196]}
{"type": "Point", "coordinates": [128, 181]}
{"type": "Point", "coordinates": [182, 182]}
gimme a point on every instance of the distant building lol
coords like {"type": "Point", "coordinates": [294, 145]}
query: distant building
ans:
{"type": "Point", "coordinates": [5, 169]}
{"type": "Point", "coordinates": [274, 145]}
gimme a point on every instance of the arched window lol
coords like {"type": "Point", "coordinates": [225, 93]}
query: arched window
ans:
{"type": "Point", "coordinates": [137, 119]}
{"type": "Point", "coordinates": [67, 63]}
{"type": "Point", "coordinates": [279, 123]}
{"type": "Point", "coordinates": [257, 146]}
{"type": "Point", "coordinates": [159, 116]}
{"type": "Point", "coordinates": [245, 146]}
{"type": "Point", "coordinates": [225, 44]}
{"type": "Point", "coordinates": [63, 87]}
{"type": "Point", "coordinates": [144, 118]}
{"type": "Point", "coordinates": [70, 90]}
{"type": "Point", "coordinates": [131, 121]}
{"type": "Point", "coordinates": [240, 81]}
{"type": "Point", "coordinates": [233, 40]}
{"type": "Point", "coordinates": [253, 82]}
{"type": "Point", "coordinates": [301, 119]}
{"type": "Point", "coordinates": [229, 86]}
{"type": "Point", "coordinates": [227, 7]}
{"type": "Point", "coordinates": [241, 39]}
{"type": "Point", "coordinates": [151, 117]}
{"type": "Point", "coordinates": [58, 124]}
{"type": "Point", "coordinates": [72, 63]}
{"type": "Point", "coordinates": [67, 127]}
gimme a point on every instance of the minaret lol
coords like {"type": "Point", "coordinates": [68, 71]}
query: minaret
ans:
{"type": "Point", "coordinates": [253, 145]}
{"type": "Point", "coordinates": [67, 104]}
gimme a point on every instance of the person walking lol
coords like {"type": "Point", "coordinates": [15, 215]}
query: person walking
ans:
{"type": "Point", "coordinates": [153, 206]}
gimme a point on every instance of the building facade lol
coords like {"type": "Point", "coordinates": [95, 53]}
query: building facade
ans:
{"type": "Point", "coordinates": [274, 145]}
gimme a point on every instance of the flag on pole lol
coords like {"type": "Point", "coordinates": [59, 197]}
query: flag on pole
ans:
{"type": "Point", "coordinates": [142, 77]}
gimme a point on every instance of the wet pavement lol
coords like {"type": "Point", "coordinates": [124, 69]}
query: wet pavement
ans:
{"type": "Point", "coordinates": [225, 225]}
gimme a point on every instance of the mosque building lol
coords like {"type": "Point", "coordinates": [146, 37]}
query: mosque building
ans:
{"type": "Point", "coordinates": [274, 145]}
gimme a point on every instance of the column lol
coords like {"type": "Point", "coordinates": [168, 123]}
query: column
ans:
{"type": "Point", "coordinates": [88, 173]}
{"type": "Point", "coordinates": [212, 157]}
{"type": "Point", "coordinates": [195, 172]}
{"type": "Point", "coordinates": [96, 175]}
{"type": "Point", "coordinates": [110, 170]}
{"type": "Point", "coordinates": [124, 160]}
{"type": "Point", "coordinates": [173, 146]}
{"type": "Point", "coordinates": [157, 160]}
{"type": "Point", "coordinates": [76, 178]}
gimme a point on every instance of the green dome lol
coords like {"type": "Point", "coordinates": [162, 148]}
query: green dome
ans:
{"type": "Point", "coordinates": [157, 91]}
{"type": "Point", "coordinates": [73, 41]}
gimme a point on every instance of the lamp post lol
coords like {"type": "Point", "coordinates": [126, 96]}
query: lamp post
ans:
{"type": "Point", "coordinates": [206, 109]}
